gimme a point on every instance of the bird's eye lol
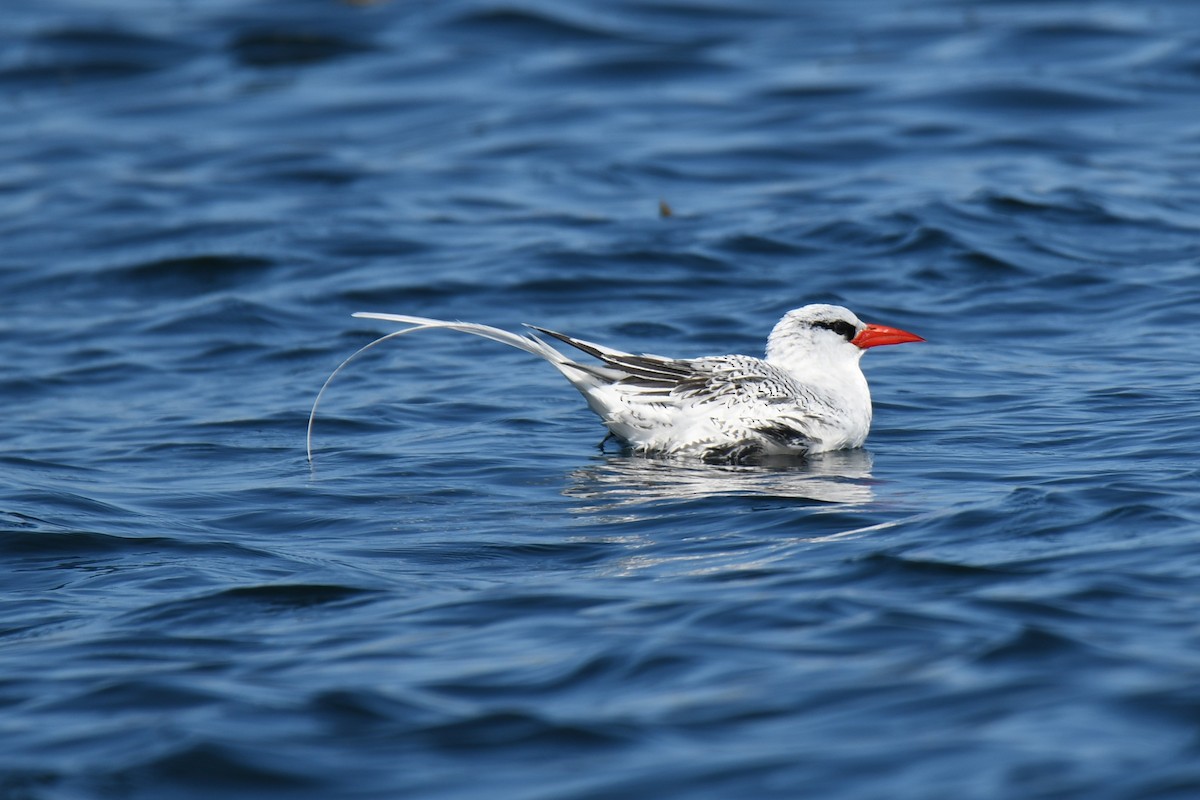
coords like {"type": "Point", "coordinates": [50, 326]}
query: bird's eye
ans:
{"type": "Point", "coordinates": [840, 327]}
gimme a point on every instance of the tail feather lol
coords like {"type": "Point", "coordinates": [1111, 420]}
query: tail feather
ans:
{"type": "Point", "coordinates": [583, 377]}
{"type": "Point", "coordinates": [591, 348]}
{"type": "Point", "coordinates": [620, 364]}
{"type": "Point", "coordinates": [529, 343]}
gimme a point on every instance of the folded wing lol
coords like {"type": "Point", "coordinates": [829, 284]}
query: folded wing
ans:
{"type": "Point", "coordinates": [723, 407]}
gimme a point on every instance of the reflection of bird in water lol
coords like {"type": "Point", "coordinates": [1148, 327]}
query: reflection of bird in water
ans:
{"type": "Point", "coordinates": [807, 396]}
{"type": "Point", "coordinates": [842, 477]}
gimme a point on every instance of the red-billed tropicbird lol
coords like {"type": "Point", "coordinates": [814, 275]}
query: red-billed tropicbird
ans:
{"type": "Point", "coordinates": [808, 395]}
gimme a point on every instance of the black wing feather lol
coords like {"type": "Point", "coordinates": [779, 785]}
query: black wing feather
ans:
{"type": "Point", "coordinates": [650, 371]}
{"type": "Point", "coordinates": [718, 379]}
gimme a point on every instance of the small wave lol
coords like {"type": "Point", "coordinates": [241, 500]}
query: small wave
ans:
{"type": "Point", "coordinates": [218, 767]}
{"type": "Point", "coordinates": [275, 47]}
{"type": "Point", "coordinates": [531, 25]}
{"type": "Point", "coordinates": [246, 603]}
{"type": "Point", "coordinates": [518, 728]}
{"type": "Point", "coordinates": [187, 276]}
{"type": "Point", "coordinates": [80, 55]}
{"type": "Point", "coordinates": [1032, 98]}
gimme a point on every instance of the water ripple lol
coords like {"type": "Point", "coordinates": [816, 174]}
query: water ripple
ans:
{"type": "Point", "coordinates": [994, 599]}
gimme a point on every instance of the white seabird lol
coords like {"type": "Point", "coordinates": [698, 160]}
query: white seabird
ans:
{"type": "Point", "coordinates": [807, 396]}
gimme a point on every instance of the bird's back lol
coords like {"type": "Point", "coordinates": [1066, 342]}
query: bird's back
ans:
{"type": "Point", "coordinates": [720, 407]}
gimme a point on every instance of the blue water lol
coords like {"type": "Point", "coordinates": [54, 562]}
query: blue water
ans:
{"type": "Point", "coordinates": [996, 598]}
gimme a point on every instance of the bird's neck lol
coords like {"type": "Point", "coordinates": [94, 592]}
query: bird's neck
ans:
{"type": "Point", "coordinates": [839, 379]}
{"type": "Point", "coordinates": [838, 376]}
{"type": "Point", "coordinates": [823, 366]}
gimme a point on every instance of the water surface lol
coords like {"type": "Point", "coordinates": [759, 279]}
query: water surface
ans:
{"type": "Point", "coordinates": [465, 596]}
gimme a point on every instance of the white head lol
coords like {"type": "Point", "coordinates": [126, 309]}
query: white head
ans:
{"type": "Point", "coordinates": [822, 336]}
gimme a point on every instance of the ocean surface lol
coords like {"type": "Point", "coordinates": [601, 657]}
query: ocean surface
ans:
{"type": "Point", "coordinates": [464, 596]}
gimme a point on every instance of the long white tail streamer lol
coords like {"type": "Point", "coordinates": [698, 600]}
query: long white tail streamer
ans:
{"type": "Point", "coordinates": [312, 415]}
{"type": "Point", "coordinates": [528, 343]}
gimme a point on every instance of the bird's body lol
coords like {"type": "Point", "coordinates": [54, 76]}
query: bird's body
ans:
{"type": "Point", "coordinates": [808, 395]}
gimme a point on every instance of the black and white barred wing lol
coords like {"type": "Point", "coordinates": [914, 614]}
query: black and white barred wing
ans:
{"type": "Point", "coordinates": [742, 402]}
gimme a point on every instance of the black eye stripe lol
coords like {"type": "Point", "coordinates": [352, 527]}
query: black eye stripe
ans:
{"type": "Point", "coordinates": [840, 327]}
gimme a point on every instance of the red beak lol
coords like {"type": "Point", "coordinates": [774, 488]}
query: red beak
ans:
{"type": "Point", "coordinates": [875, 335]}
